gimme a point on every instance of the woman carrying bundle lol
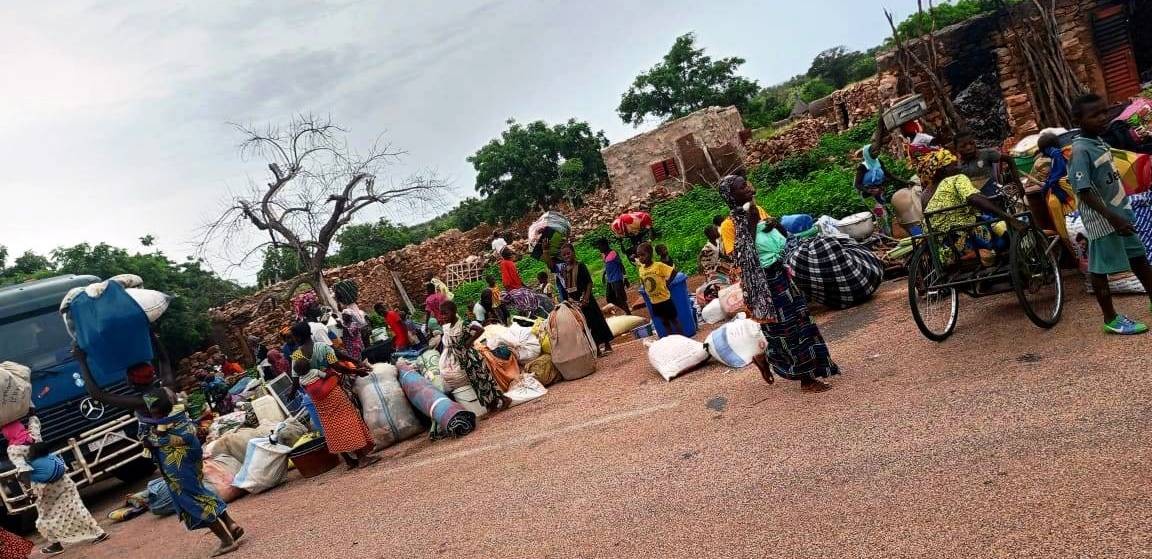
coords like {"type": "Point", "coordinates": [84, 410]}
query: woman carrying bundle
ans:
{"type": "Point", "coordinates": [320, 368]}
{"type": "Point", "coordinates": [170, 436]}
{"type": "Point", "coordinates": [796, 349]}
{"type": "Point", "coordinates": [460, 357]}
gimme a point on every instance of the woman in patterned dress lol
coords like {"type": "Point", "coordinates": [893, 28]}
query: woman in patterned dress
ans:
{"type": "Point", "coordinates": [320, 370]}
{"type": "Point", "coordinates": [460, 356]}
{"type": "Point", "coordinates": [170, 436]}
{"type": "Point", "coordinates": [796, 349]}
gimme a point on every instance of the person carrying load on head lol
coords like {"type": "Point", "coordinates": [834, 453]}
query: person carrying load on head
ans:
{"type": "Point", "coordinates": [949, 188]}
{"type": "Point", "coordinates": [872, 182]}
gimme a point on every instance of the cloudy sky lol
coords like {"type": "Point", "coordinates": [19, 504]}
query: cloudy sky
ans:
{"type": "Point", "coordinates": [115, 112]}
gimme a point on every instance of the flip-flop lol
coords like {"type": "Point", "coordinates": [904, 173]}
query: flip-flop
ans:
{"type": "Point", "coordinates": [238, 535]}
{"type": "Point", "coordinates": [48, 551]}
{"type": "Point", "coordinates": [103, 538]}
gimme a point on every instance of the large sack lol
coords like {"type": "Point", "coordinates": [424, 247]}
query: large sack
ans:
{"type": "Point", "coordinates": [112, 329]}
{"type": "Point", "coordinates": [525, 389]}
{"type": "Point", "coordinates": [674, 355]}
{"type": "Point", "coordinates": [15, 391]}
{"type": "Point", "coordinates": [731, 299]}
{"type": "Point", "coordinates": [265, 467]}
{"type": "Point", "coordinates": [543, 369]}
{"type": "Point", "coordinates": [235, 444]}
{"type": "Point", "coordinates": [519, 339]}
{"type": "Point", "coordinates": [287, 432]}
{"type": "Point", "coordinates": [713, 312]}
{"type": "Point", "coordinates": [153, 303]}
{"type": "Point", "coordinates": [540, 330]}
{"type": "Point", "coordinates": [736, 343]}
{"type": "Point", "coordinates": [837, 273]}
{"type": "Point", "coordinates": [219, 473]}
{"type": "Point", "coordinates": [386, 410]}
{"type": "Point", "coordinates": [573, 349]}
{"type": "Point", "coordinates": [467, 398]}
{"type": "Point", "coordinates": [620, 325]}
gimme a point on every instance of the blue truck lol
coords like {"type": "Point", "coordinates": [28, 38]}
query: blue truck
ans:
{"type": "Point", "coordinates": [96, 441]}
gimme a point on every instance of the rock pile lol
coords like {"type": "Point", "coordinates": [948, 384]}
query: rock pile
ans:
{"type": "Point", "coordinates": [798, 137]}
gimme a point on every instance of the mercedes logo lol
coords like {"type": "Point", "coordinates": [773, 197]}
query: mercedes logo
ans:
{"type": "Point", "coordinates": [91, 409]}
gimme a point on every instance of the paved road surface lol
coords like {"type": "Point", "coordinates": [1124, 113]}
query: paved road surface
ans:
{"type": "Point", "coordinates": [1006, 441]}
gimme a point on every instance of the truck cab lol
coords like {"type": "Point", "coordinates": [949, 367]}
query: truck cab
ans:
{"type": "Point", "coordinates": [93, 439]}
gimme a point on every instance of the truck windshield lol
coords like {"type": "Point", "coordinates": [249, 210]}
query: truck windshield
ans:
{"type": "Point", "coordinates": [38, 342]}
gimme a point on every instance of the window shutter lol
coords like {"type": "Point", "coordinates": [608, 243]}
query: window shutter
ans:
{"type": "Point", "coordinates": [658, 172]}
{"type": "Point", "coordinates": [1114, 45]}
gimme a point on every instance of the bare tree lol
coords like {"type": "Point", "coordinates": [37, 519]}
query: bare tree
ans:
{"type": "Point", "coordinates": [317, 185]}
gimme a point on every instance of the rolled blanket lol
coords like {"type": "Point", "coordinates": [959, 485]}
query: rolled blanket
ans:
{"type": "Point", "coordinates": [449, 418]}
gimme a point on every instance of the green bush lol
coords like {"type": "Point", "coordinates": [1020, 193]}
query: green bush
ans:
{"type": "Point", "coordinates": [827, 192]}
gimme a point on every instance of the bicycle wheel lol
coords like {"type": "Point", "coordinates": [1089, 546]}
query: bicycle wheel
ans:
{"type": "Point", "coordinates": [1036, 277]}
{"type": "Point", "coordinates": [935, 310]}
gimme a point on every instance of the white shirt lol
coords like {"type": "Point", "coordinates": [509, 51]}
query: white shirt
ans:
{"type": "Point", "coordinates": [498, 245]}
{"type": "Point", "coordinates": [319, 333]}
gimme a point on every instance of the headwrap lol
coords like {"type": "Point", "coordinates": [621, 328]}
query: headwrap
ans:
{"type": "Point", "coordinates": [141, 374]}
{"type": "Point", "coordinates": [753, 278]}
{"type": "Point", "coordinates": [928, 165]}
{"type": "Point", "coordinates": [279, 363]}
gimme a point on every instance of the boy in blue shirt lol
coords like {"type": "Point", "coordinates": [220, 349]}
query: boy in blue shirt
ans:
{"type": "Point", "coordinates": [1113, 245]}
{"type": "Point", "coordinates": [615, 286]}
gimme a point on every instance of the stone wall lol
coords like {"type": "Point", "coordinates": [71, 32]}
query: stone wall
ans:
{"type": "Point", "coordinates": [977, 58]}
{"type": "Point", "coordinates": [703, 144]}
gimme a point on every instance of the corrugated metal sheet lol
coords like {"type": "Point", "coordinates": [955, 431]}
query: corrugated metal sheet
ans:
{"type": "Point", "coordinates": [1110, 28]}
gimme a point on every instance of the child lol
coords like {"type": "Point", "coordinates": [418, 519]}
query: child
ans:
{"type": "Point", "coordinates": [615, 288]}
{"type": "Point", "coordinates": [1113, 245]}
{"type": "Point", "coordinates": [493, 304]}
{"type": "Point", "coordinates": [545, 287]}
{"type": "Point", "coordinates": [655, 276]}
{"type": "Point", "coordinates": [509, 275]}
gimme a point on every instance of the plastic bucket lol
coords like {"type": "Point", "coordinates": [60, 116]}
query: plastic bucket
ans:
{"type": "Point", "coordinates": [685, 312]}
{"type": "Point", "coordinates": [312, 458]}
{"type": "Point", "coordinates": [1024, 164]}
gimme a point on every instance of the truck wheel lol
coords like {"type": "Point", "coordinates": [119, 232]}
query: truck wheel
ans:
{"type": "Point", "coordinates": [135, 470]}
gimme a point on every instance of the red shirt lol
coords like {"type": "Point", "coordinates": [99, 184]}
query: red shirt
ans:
{"type": "Point", "coordinates": [510, 275]}
{"type": "Point", "coordinates": [399, 330]}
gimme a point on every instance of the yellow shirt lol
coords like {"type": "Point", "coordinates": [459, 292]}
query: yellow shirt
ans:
{"type": "Point", "coordinates": [728, 231]}
{"type": "Point", "coordinates": [655, 280]}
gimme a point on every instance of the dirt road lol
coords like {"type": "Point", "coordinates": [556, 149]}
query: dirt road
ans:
{"type": "Point", "coordinates": [1005, 441]}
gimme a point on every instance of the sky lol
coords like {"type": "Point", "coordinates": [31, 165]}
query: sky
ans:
{"type": "Point", "coordinates": [117, 114]}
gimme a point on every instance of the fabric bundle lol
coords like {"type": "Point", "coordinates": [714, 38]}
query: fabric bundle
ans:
{"type": "Point", "coordinates": [113, 329]}
{"type": "Point", "coordinates": [450, 418]}
{"type": "Point", "coordinates": [838, 273]}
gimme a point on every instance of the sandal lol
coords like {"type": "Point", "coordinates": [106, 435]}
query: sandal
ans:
{"type": "Point", "coordinates": [369, 461]}
{"type": "Point", "coordinates": [52, 550]}
{"type": "Point", "coordinates": [816, 386]}
{"type": "Point", "coordinates": [237, 534]}
{"type": "Point", "coordinates": [102, 538]}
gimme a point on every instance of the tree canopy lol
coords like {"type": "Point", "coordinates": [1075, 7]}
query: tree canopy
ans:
{"type": "Point", "coordinates": [362, 241]}
{"type": "Point", "coordinates": [839, 66]}
{"type": "Point", "coordinates": [532, 166]}
{"type": "Point", "coordinates": [686, 80]}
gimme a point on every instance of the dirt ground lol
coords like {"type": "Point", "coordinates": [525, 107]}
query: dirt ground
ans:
{"type": "Point", "coordinates": [1005, 441]}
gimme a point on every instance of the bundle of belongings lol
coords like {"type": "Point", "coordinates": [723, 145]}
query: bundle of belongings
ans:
{"type": "Point", "coordinates": [834, 271]}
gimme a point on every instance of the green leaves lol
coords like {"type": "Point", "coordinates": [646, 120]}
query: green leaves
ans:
{"type": "Point", "coordinates": [532, 166]}
{"type": "Point", "coordinates": [687, 80]}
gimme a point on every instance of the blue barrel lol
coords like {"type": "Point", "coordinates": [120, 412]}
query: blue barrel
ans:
{"type": "Point", "coordinates": [685, 312]}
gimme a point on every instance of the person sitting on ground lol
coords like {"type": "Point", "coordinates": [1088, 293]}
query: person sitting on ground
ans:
{"type": "Point", "coordinates": [983, 166]}
{"type": "Point", "coordinates": [461, 358]}
{"type": "Point", "coordinates": [509, 275]}
{"type": "Point", "coordinates": [320, 368]}
{"type": "Point", "coordinates": [170, 436]}
{"type": "Point", "coordinates": [949, 187]}
{"type": "Point", "coordinates": [546, 287]}
{"type": "Point", "coordinates": [578, 289]}
{"type": "Point", "coordinates": [1113, 243]}
{"type": "Point", "coordinates": [615, 280]}
{"type": "Point", "coordinates": [656, 278]}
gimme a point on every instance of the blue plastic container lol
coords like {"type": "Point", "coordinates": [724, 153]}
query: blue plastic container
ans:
{"type": "Point", "coordinates": [114, 330]}
{"type": "Point", "coordinates": [684, 309]}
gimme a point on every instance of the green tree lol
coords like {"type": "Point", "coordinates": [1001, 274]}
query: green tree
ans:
{"type": "Point", "coordinates": [471, 213]}
{"type": "Point", "coordinates": [814, 89]}
{"type": "Point", "coordinates": [369, 240]}
{"type": "Point", "coordinates": [281, 262]}
{"type": "Point", "coordinates": [945, 14]}
{"type": "Point", "coordinates": [30, 263]}
{"type": "Point", "coordinates": [686, 80]}
{"type": "Point", "coordinates": [531, 166]}
{"type": "Point", "coordinates": [839, 66]}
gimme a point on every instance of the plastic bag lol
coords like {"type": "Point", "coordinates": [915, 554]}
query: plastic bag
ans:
{"type": "Point", "coordinates": [219, 473]}
{"type": "Point", "coordinates": [732, 299]}
{"type": "Point", "coordinates": [389, 416]}
{"type": "Point", "coordinates": [519, 339]}
{"type": "Point", "coordinates": [154, 303]}
{"type": "Point", "coordinates": [287, 432]}
{"type": "Point", "coordinates": [713, 312]}
{"type": "Point", "coordinates": [674, 355]}
{"type": "Point", "coordinates": [265, 467]}
{"type": "Point", "coordinates": [735, 344]}
{"type": "Point", "coordinates": [525, 389]}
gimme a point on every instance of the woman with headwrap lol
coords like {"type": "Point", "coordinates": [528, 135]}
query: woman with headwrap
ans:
{"type": "Point", "coordinates": [796, 349]}
{"type": "Point", "coordinates": [947, 187]}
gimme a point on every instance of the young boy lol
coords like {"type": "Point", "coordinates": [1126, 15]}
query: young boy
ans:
{"type": "Point", "coordinates": [615, 289]}
{"type": "Point", "coordinates": [490, 299]}
{"type": "Point", "coordinates": [655, 276]}
{"type": "Point", "coordinates": [1113, 245]}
